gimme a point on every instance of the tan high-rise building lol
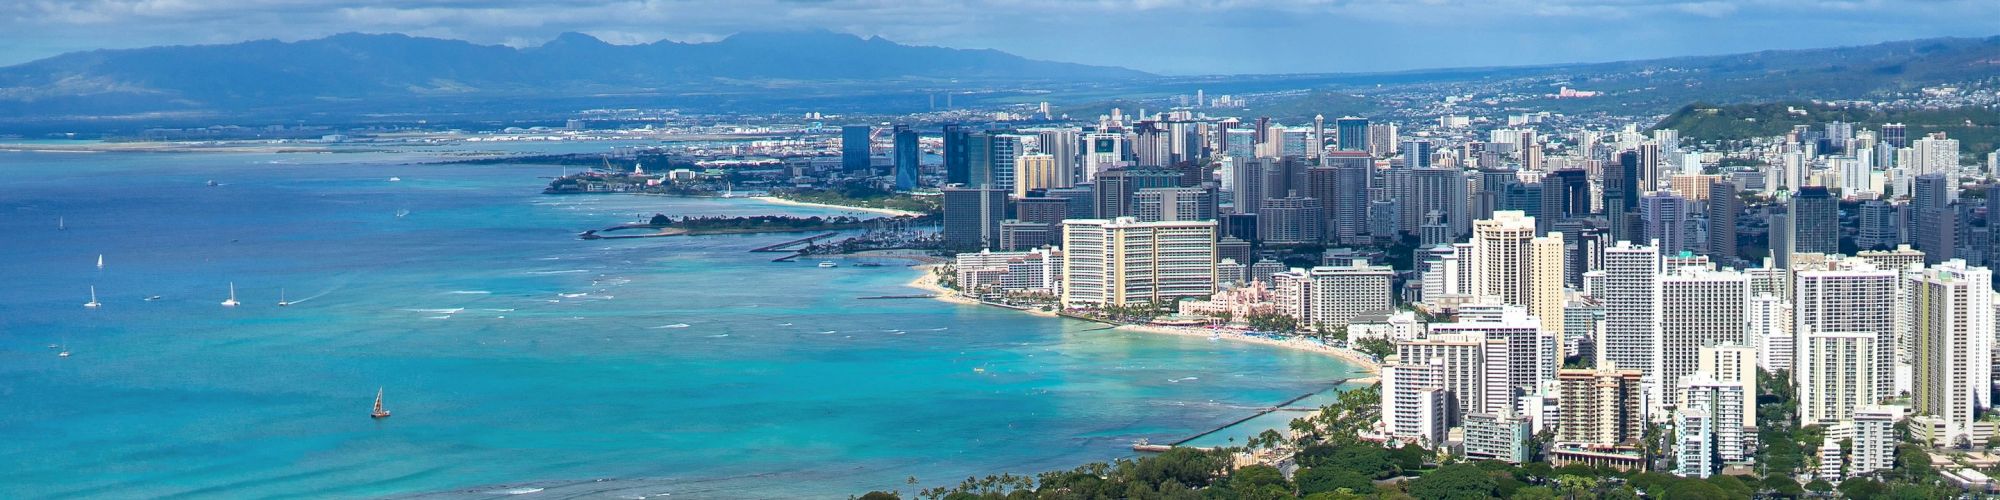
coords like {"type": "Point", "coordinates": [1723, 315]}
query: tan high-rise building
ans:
{"type": "Point", "coordinates": [1834, 375]}
{"type": "Point", "coordinates": [1513, 265]}
{"type": "Point", "coordinates": [1124, 261]}
{"type": "Point", "coordinates": [1600, 407]}
{"type": "Point", "coordinates": [1037, 171]}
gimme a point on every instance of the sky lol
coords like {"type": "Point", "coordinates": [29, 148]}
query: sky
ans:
{"type": "Point", "coordinates": [1181, 37]}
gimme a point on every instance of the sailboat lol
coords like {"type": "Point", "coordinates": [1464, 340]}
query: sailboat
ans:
{"type": "Point", "coordinates": [379, 412]}
{"type": "Point", "coordinates": [281, 298]}
{"type": "Point", "coordinates": [232, 296]}
{"type": "Point", "coordinates": [729, 190]}
{"type": "Point", "coordinates": [93, 299]}
{"type": "Point", "coordinates": [60, 226]}
{"type": "Point", "coordinates": [100, 261]}
{"type": "Point", "coordinates": [401, 213]}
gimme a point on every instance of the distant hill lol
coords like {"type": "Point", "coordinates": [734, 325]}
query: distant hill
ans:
{"type": "Point", "coordinates": [1977, 130]}
{"type": "Point", "coordinates": [352, 67]}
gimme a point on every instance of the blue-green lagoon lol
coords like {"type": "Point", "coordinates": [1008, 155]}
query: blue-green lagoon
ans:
{"type": "Point", "coordinates": [516, 358]}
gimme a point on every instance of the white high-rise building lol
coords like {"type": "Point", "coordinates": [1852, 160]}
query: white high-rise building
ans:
{"type": "Point", "coordinates": [1834, 375]}
{"type": "Point", "coordinates": [1124, 261]}
{"type": "Point", "coordinates": [1934, 153]}
{"type": "Point", "coordinates": [1533, 355]}
{"type": "Point", "coordinates": [1415, 405]}
{"type": "Point", "coordinates": [1769, 326]}
{"type": "Point", "coordinates": [1729, 363]}
{"type": "Point", "coordinates": [1291, 292]}
{"type": "Point", "coordinates": [1874, 439]}
{"type": "Point", "coordinates": [1697, 308]}
{"type": "Point", "coordinates": [1512, 264]}
{"type": "Point", "coordinates": [1849, 296]}
{"type": "Point", "coordinates": [1341, 293]}
{"type": "Point", "coordinates": [1732, 405]}
{"type": "Point", "coordinates": [1469, 361]}
{"type": "Point", "coordinates": [1694, 443]}
{"type": "Point", "coordinates": [1631, 339]}
{"type": "Point", "coordinates": [1952, 312]}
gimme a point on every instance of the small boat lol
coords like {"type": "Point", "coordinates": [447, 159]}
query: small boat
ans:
{"type": "Point", "coordinates": [93, 304]}
{"type": "Point", "coordinates": [401, 213]}
{"type": "Point", "coordinates": [395, 179]}
{"type": "Point", "coordinates": [63, 354]}
{"type": "Point", "coordinates": [213, 184]}
{"type": "Point", "coordinates": [281, 298]}
{"type": "Point", "coordinates": [828, 263]}
{"type": "Point", "coordinates": [55, 346]}
{"type": "Point", "coordinates": [100, 261]}
{"type": "Point", "coordinates": [232, 296]}
{"type": "Point", "coordinates": [60, 226]}
{"type": "Point", "coordinates": [379, 412]}
{"type": "Point", "coordinates": [150, 298]}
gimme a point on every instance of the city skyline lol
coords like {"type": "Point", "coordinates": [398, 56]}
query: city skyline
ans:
{"type": "Point", "coordinates": [1277, 37]}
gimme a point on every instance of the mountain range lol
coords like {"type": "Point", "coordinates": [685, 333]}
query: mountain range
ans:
{"type": "Point", "coordinates": [392, 66]}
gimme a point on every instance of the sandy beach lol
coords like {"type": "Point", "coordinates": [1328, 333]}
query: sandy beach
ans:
{"type": "Point", "coordinates": [928, 282]}
{"type": "Point", "coordinates": [883, 211]}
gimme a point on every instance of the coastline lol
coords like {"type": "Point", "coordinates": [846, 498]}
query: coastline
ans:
{"type": "Point", "coordinates": [926, 282]}
{"type": "Point", "coordinates": [884, 211]}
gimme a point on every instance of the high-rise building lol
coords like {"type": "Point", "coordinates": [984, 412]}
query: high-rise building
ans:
{"type": "Point", "coordinates": [1600, 407]}
{"type": "Point", "coordinates": [1835, 374]}
{"type": "Point", "coordinates": [1290, 220]}
{"type": "Point", "coordinates": [1248, 176]}
{"type": "Point", "coordinates": [1935, 153]}
{"type": "Point", "coordinates": [1441, 190]}
{"type": "Point", "coordinates": [1694, 443]}
{"type": "Point", "coordinates": [1124, 261]}
{"type": "Point", "coordinates": [1470, 360]}
{"type": "Point", "coordinates": [1339, 293]}
{"type": "Point", "coordinates": [1933, 221]}
{"type": "Point", "coordinates": [957, 154]}
{"type": "Point", "coordinates": [1951, 308]}
{"type": "Point", "coordinates": [1723, 206]}
{"type": "Point", "coordinates": [1512, 264]}
{"type": "Point", "coordinates": [1529, 364]}
{"type": "Point", "coordinates": [1417, 153]}
{"type": "Point", "coordinates": [1816, 218]}
{"type": "Point", "coordinates": [1381, 139]}
{"type": "Point", "coordinates": [1353, 133]}
{"type": "Point", "coordinates": [1174, 204]}
{"type": "Point", "coordinates": [972, 217]}
{"type": "Point", "coordinates": [1497, 436]}
{"type": "Point", "coordinates": [1696, 308]}
{"type": "Point", "coordinates": [1878, 229]}
{"type": "Point", "coordinates": [1770, 329]}
{"type": "Point", "coordinates": [1064, 145]}
{"type": "Point", "coordinates": [1621, 196]}
{"type": "Point", "coordinates": [1873, 443]}
{"type": "Point", "coordinates": [1630, 308]}
{"type": "Point", "coordinates": [854, 148]}
{"type": "Point", "coordinates": [1116, 188]}
{"type": "Point", "coordinates": [1666, 219]}
{"type": "Point", "coordinates": [1565, 196]}
{"type": "Point", "coordinates": [1345, 193]}
{"type": "Point", "coordinates": [1896, 135]}
{"type": "Point", "coordinates": [1850, 296]}
{"type": "Point", "coordinates": [906, 154]}
{"type": "Point", "coordinates": [1037, 171]}
{"type": "Point", "coordinates": [1102, 151]}
{"type": "Point", "coordinates": [1415, 406]}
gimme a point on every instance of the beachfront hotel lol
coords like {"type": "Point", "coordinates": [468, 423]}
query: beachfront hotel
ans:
{"type": "Point", "coordinates": [1124, 261]}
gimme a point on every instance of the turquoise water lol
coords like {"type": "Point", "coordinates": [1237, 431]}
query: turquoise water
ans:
{"type": "Point", "coordinates": [516, 356]}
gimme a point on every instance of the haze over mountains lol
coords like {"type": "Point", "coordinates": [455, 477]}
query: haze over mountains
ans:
{"type": "Point", "coordinates": [353, 75]}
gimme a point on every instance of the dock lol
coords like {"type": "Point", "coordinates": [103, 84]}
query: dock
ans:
{"type": "Point", "coordinates": [796, 247]}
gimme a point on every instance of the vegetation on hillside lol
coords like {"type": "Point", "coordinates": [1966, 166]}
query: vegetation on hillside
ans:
{"type": "Point", "coordinates": [1977, 129]}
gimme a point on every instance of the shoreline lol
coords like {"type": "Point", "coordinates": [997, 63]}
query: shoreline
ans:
{"type": "Point", "coordinates": [927, 282]}
{"type": "Point", "coordinates": [882, 211]}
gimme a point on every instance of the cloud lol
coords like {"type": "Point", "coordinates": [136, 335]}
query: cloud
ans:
{"type": "Point", "coordinates": [1172, 36]}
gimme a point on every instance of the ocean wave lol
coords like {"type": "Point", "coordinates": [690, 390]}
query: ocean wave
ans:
{"type": "Point", "coordinates": [565, 271]}
{"type": "Point", "coordinates": [452, 310]}
{"type": "Point", "coordinates": [470, 292]}
{"type": "Point", "coordinates": [675, 325]}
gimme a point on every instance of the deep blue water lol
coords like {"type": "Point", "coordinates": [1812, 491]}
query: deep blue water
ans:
{"type": "Point", "coordinates": [516, 356]}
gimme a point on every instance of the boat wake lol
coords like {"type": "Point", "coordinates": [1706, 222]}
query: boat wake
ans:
{"type": "Point", "coordinates": [565, 271]}
{"type": "Point", "coordinates": [471, 292]}
{"type": "Point", "coordinates": [675, 325]}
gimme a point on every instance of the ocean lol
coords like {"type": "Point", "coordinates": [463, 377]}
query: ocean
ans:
{"type": "Point", "coordinates": [518, 359]}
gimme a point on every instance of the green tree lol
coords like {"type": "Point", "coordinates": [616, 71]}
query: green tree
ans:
{"type": "Point", "coordinates": [1819, 487]}
{"type": "Point", "coordinates": [1733, 486]}
{"type": "Point", "coordinates": [1694, 490]}
{"type": "Point", "coordinates": [1534, 493]}
{"type": "Point", "coordinates": [1325, 479]}
{"type": "Point", "coordinates": [1783, 486]}
{"type": "Point", "coordinates": [1863, 489]}
{"type": "Point", "coordinates": [881, 495]}
{"type": "Point", "coordinates": [1377, 347]}
{"type": "Point", "coordinates": [1256, 477]}
{"type": "Point", "coordinates": [1453, 482]}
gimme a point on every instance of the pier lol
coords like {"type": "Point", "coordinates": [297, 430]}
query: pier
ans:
{"type": "Point", "coordinates": [795, 247]}
{"type": "Point", "coordinates": [1145, 447]}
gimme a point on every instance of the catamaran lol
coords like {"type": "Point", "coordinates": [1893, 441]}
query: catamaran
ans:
{"type": "Point", "coordinates": [93, 299]}
{"type": "Point", "coordinates": [379, 412]}
{"type": "Point", "coordinates": [232, 296]}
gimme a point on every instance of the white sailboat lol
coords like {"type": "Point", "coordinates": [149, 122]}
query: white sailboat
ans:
{"type": "Point", "coordinates": [60, 226]}
{"type": "Point", "coordinates": [232, 296]}
{"type": "Point", "coordinates": [379, 413]}
{"type": "Point", "coordinates": [100, 261]}
{"type": "Point", "coordinates": [281, 298]}
{"type": "Point", "coordinates": [93, 304]}
{"type": "Point", "coordinates": [729, 190]}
